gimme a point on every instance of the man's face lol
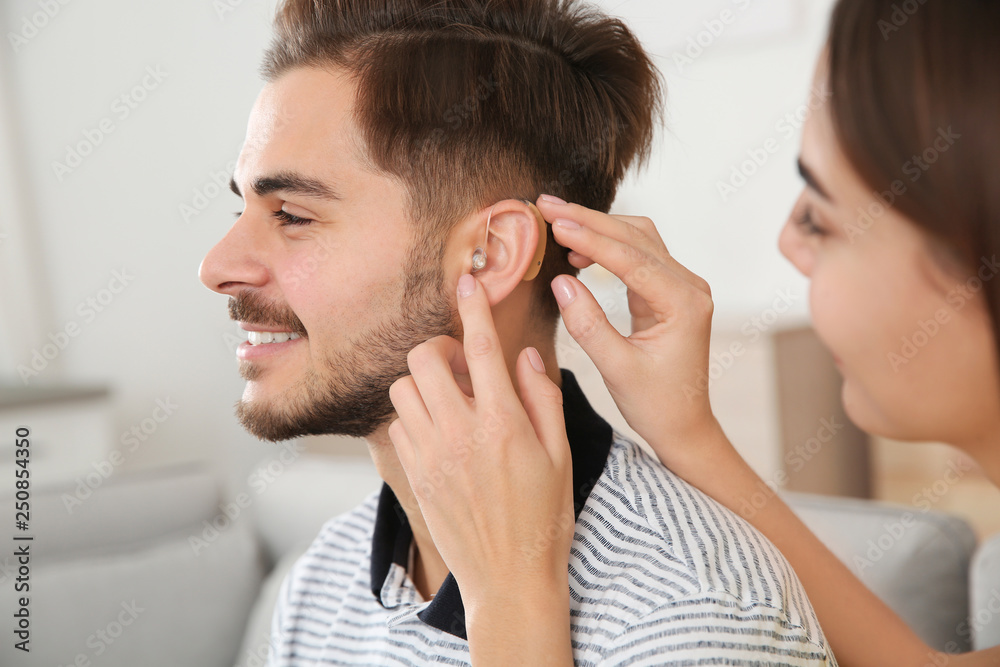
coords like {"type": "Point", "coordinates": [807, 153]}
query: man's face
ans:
{"type": "Point", "coordinates": [351, 282]}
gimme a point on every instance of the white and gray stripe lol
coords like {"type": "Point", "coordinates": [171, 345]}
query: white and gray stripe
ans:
{"type": "Point", "coordinates": [660, 574]}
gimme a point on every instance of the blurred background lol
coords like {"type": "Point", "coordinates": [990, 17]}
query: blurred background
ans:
{"type": "Point", "coordinates": [120, 124]}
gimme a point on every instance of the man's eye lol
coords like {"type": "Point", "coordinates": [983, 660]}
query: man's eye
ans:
{"type": "Point", "coordinates": [289, 219]}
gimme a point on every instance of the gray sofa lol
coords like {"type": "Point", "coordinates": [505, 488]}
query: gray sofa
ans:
{"type": "Point", "coordinates": [159, 569]}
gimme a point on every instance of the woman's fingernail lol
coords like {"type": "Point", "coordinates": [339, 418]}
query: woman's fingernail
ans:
{"type": "Point", "coordinates": [466, 285]}
{"type": "Point", "coordinates": [567, 224]}
{"type": "Point", "coordinates": [564, 291]}
{"type": "Point", "coordinates": [536, 360]}
{"type": "Point", "coordinates": [552, 199]}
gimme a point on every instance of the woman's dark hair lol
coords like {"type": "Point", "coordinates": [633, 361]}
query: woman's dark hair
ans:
{"type": "Point", "coordinates": [916, 102]}
{"type": "Point", "coordinates": [469, 102]}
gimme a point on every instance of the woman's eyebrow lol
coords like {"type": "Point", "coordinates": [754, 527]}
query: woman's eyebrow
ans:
{"type": "Point", "coordinates": [811, 181]}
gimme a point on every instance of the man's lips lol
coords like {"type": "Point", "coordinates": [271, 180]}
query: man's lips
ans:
{"type": "Point", "coordinates": [260, 343]}
{"type": "Point", "coordinates": [248, 352]}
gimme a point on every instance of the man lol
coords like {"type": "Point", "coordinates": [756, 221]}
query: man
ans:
{"type": "Point", "coordinates": [394, 142]}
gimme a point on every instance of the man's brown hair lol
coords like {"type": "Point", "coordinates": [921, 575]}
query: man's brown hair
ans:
{"type": "Point", "coordinates": [469, 102]}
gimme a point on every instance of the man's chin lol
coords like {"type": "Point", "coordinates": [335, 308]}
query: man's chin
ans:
{"type": "Point", "coordinates": [265, 423]}
{"type": "Point", "coordinates": [264, 410]}
{"type": "Point", "coordinates": [266, 386]}
{"type": "Point", "coordinates": [278, 419]}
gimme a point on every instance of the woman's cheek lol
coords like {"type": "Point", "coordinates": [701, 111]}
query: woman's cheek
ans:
{"type": "Point", "coordinates": [826, 320]}
{"type": "Point", "coordinates": [853, 336]}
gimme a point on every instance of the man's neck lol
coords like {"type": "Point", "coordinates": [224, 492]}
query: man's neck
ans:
{"type": "Point", "coordinates": [429, 568]}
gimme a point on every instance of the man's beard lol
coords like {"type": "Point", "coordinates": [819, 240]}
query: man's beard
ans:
{"type": "Point", "coordinates": [352, 396]}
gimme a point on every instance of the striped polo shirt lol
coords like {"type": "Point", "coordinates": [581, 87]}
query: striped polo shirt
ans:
{"type": "Point", "coordinates": [659, 574]}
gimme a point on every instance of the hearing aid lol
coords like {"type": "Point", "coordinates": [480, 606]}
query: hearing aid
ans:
{"type": "Point", "coordinates": [479, 256]}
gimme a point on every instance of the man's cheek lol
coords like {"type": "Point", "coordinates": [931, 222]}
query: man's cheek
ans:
{"type": "Point", "coordinates": [304, 267]}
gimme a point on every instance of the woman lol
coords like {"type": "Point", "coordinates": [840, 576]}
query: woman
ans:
{"type": "Point", "coordinates": [898, 225]}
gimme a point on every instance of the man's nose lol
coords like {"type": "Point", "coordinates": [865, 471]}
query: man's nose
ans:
{"type": "Point", "coordinates": [236, 262]}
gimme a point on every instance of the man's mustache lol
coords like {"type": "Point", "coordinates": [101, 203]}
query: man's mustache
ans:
{"type": "Point", "coordinates": [248, 306]}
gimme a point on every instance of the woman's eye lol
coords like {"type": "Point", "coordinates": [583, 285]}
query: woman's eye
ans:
{"type": "Point", "coordinates": [289, 219]}
{"type": "Point", "coordinates": [808, 225]}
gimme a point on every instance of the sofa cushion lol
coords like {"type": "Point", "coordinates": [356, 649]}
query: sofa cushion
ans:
{"type": "Point", "coordinates": [95, 516]}
{"type": "Point", "coordinates": [306, 494]}
{"type": "Point", "coordinates": [257, 636]}
{"type": "Point", "coordinates": [144, 572]}
{"type": "Point", "coordinates": [984, 589]}
{"type": "Point", "coordinates": [289, 514]}
{"type": "Point", "coordinates": [916, 561]}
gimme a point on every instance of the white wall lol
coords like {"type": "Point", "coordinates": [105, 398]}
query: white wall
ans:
{"type": "Point", "coordinates": [163, 335]}
{"type": "Point", "coordinates": [731, 100]}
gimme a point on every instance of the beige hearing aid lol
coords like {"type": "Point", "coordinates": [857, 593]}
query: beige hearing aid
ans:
{"type": "Point", "coordinates": [479, 257]}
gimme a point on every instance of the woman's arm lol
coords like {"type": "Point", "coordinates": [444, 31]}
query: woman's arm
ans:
{"type": "Point", "coordinates": [860, 627]}
{"type": "Point", "coordinates": [652, 375]}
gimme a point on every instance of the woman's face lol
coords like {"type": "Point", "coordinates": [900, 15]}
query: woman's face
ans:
{"type": "Point", "coordinates": [912, 339]}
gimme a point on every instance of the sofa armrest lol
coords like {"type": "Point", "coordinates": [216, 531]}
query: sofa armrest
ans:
{"type": "Point", "coordinates": [916, 561]}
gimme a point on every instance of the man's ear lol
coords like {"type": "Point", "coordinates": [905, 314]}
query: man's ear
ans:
{"type": "Point", "coordinates": [509, 245]}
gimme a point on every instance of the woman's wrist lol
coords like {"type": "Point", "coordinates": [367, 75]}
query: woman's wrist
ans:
{"type": "Point", "coordinates": [688, 451]}
{"type": "Point", "coordinates": [707, 460]}
{"type": "Point", "coordinates": [531, 595]}
{"type": "Point", "coordinates": [526, 623]}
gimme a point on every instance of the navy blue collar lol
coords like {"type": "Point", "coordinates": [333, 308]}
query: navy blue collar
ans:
{"type": "Point", "coordinates": [590, 439]}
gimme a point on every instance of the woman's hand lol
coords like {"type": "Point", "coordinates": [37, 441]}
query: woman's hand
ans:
{"type": "Point", "coordinates": [658, 376]}
{"type": "Point", "coordinates": [493, 478]}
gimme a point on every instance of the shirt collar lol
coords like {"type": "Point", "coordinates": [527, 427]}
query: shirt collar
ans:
{"type": "Point", "coordinates": [590, 438]}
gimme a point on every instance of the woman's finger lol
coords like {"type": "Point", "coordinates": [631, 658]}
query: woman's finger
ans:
{"type": "Point", "coordinates": [643, 274]}
{"type": "Point", "coordinates": [587, 323]}
{"type": "Point", "coordinates": [410, 409]}
{"type": "Point", "coordinates": [630, 231]}
{"type": "Point", "coordinates": [622, 228]}
{"type": "Point", "coordinates": [649, 229]}
{"type": "Point", "coordinates": [404, 446]}
{"type": "Point", "coordinates": [483, 354]}
{"type": "Point", "coordinates": [431, 365]}
{"type": "Point", "coordinates": [543, 403]}
{"type": "Point", "coordinates": [578, 260]}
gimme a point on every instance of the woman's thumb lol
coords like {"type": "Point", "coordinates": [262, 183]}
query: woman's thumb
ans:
{"type": "Point", "coordinates": [588, 325]}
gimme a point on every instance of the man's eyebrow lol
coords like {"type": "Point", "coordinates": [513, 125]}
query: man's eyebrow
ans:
{"type": "Point", "coordinates": [811, 181]}
{"type": "Point", "coordinates": [290, 182]}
